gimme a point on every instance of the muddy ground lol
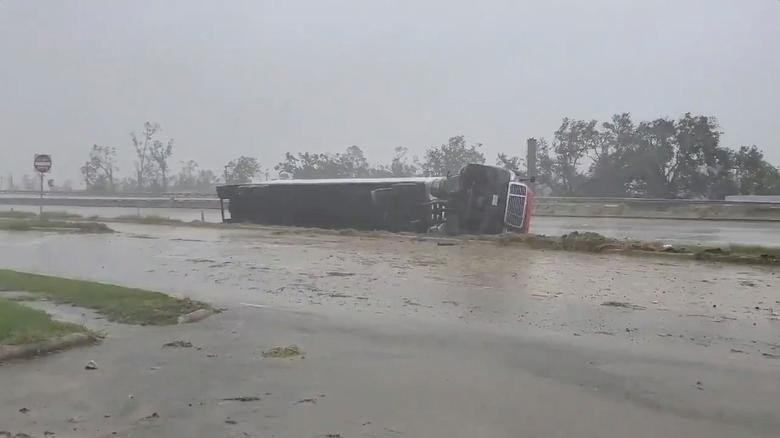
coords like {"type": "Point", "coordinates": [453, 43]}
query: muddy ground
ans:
{"type": "Point", "coordinates": [402, 336]}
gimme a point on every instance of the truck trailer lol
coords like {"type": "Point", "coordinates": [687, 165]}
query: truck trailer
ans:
{"type": "Point", "coordinates": [480, 199]}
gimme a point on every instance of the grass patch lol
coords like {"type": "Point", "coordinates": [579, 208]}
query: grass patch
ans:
{"type": "Point", "coordinates": [280, 352]}
{"type": "Point", "coordinates": [15, 214]}
{"type": "Point", "coordinates": [596, 243]}
{"type": "Point", "coordinates": [116, 303]}
{"type": "Point", "coordinates": [148, 220]}
{"type": "Point", "coordinates": [22, 325]}
{"type": "Point", "coordinates": [60, 215]}
{"type": "Point", "coordinates": [50, 225]}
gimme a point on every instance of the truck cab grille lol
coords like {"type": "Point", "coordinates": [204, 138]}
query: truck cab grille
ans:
{"type": "Point", "coordinates": [516, 200]}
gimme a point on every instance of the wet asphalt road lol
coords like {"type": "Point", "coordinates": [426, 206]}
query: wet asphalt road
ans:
{"type": "Point", "coordinates": [403, 337]}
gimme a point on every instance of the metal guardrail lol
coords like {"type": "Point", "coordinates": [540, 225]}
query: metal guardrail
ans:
{"type": "Point", "coordinates": [192, 203]}
{"type": "Point", "coordinates": [545, 206]}
{"type": "Point", "coordinates": [594, 200]}
{"type": "Point", "coordinates": [84, 194]}
{"type": "Point", "coordinates": [539, 199]}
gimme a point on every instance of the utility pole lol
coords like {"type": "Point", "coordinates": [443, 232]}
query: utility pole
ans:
{"type": "Point", "coordinates": [40, 206]}
{"type": "Point", "coordinates": [530, 160]}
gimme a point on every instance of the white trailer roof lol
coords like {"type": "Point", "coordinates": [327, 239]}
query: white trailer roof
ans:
{"type": "Point", "coordinates": [419, 179]}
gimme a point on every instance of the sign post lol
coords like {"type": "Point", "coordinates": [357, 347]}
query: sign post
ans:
{"type": "Point", "coordinates": [42, 163]}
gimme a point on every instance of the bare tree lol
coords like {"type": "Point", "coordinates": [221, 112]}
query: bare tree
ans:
{"type": "Point", "coordinates": [142, 146]}
{"type": "Point", "coordinates": [160, 153]}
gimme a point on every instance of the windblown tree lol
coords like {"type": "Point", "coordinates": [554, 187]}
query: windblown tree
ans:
{"type": "Point", "coordinates": [449, 158]}
{"type": "Point", "coordinates": [351, 163]}
{"type": "Point", "coordinates": [754, 175]}
{"type": "Point", "coordinates": [513, 163]}
{"type": "Point", "coordinates": [661, 158]}
{"type": "Point", "coordinates": [142, 144]}
{"type": "Point", "coordinates": [191, 178]}
{"type": "Point", "coordinates": [400, 166]}
{"type": "Point", "coordinates": [160, 153]}
{"type": "Point", "coordinates": [98, 171]}
{"type": "Point", "coordinates": [242, 170]}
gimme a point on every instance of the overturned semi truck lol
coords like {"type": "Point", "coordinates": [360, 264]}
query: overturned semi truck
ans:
{"type": "Point", "coordinates": [479, 200]}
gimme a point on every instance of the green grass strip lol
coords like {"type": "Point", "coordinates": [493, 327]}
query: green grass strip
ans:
{"type": "Point", "coordinates": [116, 303]}
{"type": "Point", "coordinates": [22, 325]}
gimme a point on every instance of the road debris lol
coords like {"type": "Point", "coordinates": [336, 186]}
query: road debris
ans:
{"type": "Point", "coordinates": [24, 410]}
{"type": "Point", "coordinates": [229, 420]}
{"type": "Point", "coordinates": [306, 400]}
{"type": "Point", "coordinates": [340, 274]}
{"type": "Point", "coordinates": [153, 416]}
{"type": "Point", "coordinates": [91, 365]}
{"type": "Point", "coordinates": [177, 344]}
{"type": "Point", "coordinates": [257, 306]}
{"type": "Point", "coordinates": [194, 316]}
{"type": "Point", "coordinates": [622, 304]}
{"type": "Point", "coordinates": [409, 302]}
{"type": "Point", "coordinates": [282, 352]}
{"type": "Point", "coordinates": [243, 398]}
{"type": "Point", "coordinates": [338, 295]}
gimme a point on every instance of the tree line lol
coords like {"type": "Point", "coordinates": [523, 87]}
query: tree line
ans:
{"type": "Point", "coordinates": [661, 158]}
{"type": "Point", "coordinates": [152, 168]}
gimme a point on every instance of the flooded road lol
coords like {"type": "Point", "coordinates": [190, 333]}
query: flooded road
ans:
{"type": "Point", "coordinates": [421, 336]}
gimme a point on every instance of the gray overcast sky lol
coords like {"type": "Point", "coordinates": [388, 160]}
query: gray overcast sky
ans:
{"type": "Point", "coordinates": [263, 77]}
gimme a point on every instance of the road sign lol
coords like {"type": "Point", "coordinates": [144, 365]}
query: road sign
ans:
{"type": "Point", "coordinates": [42, 163]}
